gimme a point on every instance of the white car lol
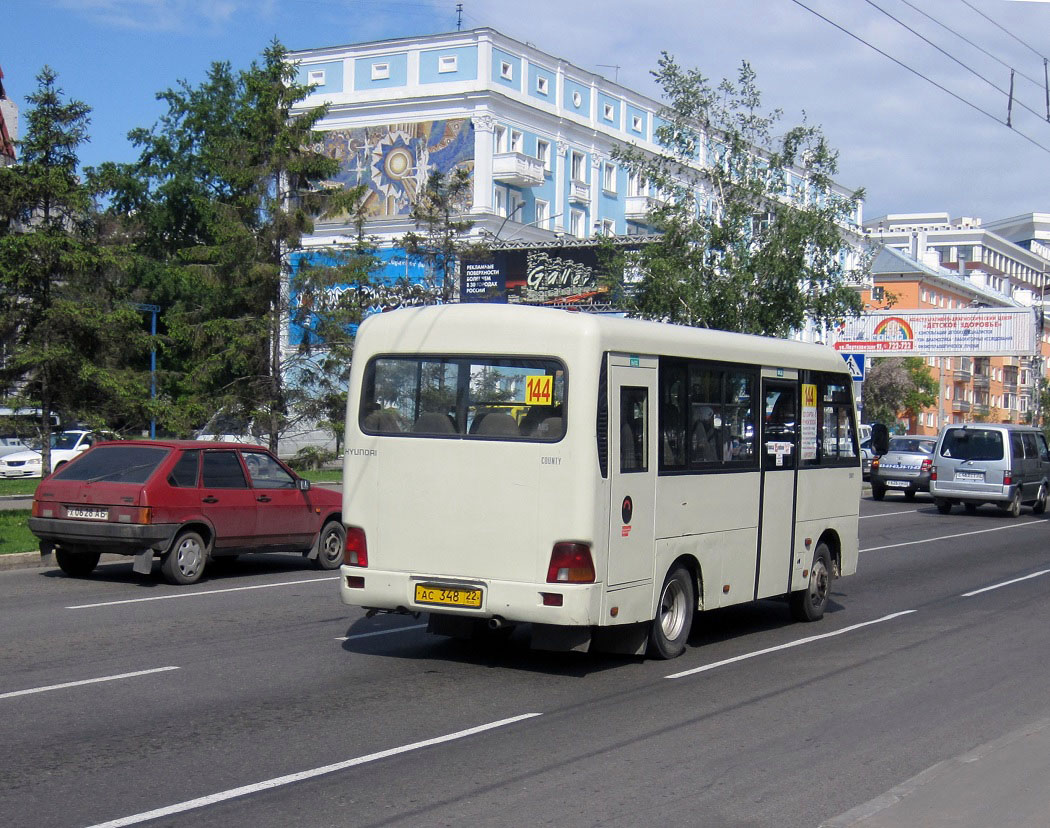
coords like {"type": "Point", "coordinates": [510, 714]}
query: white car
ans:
{"type": "Point", "coordinates": [65, 445]}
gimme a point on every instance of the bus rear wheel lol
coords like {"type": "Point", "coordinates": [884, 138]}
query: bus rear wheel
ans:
{"type": "Point", "coordinates": [674, 614]}
{"type": "Point", "coordinates": [810, 603]}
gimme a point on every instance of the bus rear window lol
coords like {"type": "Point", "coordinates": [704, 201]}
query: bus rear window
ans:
{"type": "Point", "coordinates": [487, 398]}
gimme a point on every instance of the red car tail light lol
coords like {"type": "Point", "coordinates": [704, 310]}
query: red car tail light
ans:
{"type": "Point", "coordinates": [355, 553]}
{"type": "Point", "coordinates": [571, 563]}
{"type": "Point", "coordinates": [927, 464]}
{"type": "Point", "coordinates": [874, 463]}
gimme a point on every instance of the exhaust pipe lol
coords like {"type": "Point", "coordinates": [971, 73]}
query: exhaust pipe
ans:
{"type": "Point", "coordinates": [496, 623]}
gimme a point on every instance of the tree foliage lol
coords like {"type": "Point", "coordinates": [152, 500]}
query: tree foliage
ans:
{"type": "Point", "coordinates": [76, 347]}
{"type": "Point", "coordinates": [898, 386]}
{"type": "Point", "coordinates": [228, 182]}
{"type": "Point", "coordinates": [749, 231]}
{"type": "Point", "coordinates": [438, 241]}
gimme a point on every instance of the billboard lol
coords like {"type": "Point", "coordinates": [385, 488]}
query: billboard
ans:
{"type": "Point", "coordinates": [969, 332]}
{"type": "Point", "coordinates": [535, 276]}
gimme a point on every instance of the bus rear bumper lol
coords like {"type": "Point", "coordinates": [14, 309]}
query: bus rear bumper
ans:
{"type": "Point", "coordinates": [510, 601]}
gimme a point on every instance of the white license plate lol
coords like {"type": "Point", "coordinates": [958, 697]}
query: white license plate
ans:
{"type": "Point", "coordinates": [898, 484]}
{"type": "Point", "coordinates": [970, 477]}
{"type": "Point", "coordinates": [87, 514]}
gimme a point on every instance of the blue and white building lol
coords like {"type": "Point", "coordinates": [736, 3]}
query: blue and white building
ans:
{"type": "Point", "coordinates": [535, 131]}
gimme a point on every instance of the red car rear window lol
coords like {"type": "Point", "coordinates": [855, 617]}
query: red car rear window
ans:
{"type": "Point", "coordinates": [114, 464]}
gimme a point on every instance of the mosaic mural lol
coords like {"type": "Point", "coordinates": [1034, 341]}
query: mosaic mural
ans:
{"type": "Point", "coordinates": [395, 159]}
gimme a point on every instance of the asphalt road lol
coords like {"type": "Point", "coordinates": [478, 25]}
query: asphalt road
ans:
{"type": "Point", "coordinates": [255, 698]}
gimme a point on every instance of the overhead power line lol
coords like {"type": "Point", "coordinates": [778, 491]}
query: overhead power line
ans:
{"type": "Point", "coordinates": [1004, 29]}
{"type": "Point", "coordinates": [916, 72]}
{"type": "Point", "coordinates": [968, 68]}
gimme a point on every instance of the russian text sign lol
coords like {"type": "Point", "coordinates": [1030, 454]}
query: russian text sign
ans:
{"type": "Point", "coordinates": [973, 332]}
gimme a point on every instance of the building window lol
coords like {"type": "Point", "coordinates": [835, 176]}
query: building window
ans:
{"type": "Point", "coordinates": [514, 206]}
{"type": "Point", "coordinates": [543, 153]}
{"type": "Point", "coordinates": [577, 225]}
{"type": "Point", "coordinates": [608, 227]}
{"type": "Point", "coordinates": [500, 203]}
{"type": "Point", "coordinates": [947, 392]}
{"type": "Point", "coordinates": [448, 63]}
{"type": "Point", "coordinates": [609, 178]}
{"type": "Point", "coordinates": [636, 123]}
{"type": "Point", "coordinates": [635, 184]}
{"type": "Point", "coordinates": [380, 71]}
{"type": "Point", "coordinates": [925, 296]}
{"type": "Point", "coordinates": [315, 77]}
{"type": "Point", "coordinates": [543, 214]}
{"type": "Point", "coordinates": [577, 166]}
{"type": "Point", "coordinates": [608, 112]}
{"type": "Point", "coordinates": [577, 100]}
{"type": "Point", "coordinates": [541, 84]}
{"type": "Point", "coordinates": [517, 141]}
{"type": "Point", "coordinates": [929, 420]}
{"type": "Point", "coordinates": [506, 70]}
{"type": "Point", "coordinates": [499, 139]}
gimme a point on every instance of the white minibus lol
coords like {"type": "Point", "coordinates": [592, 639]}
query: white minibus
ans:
{"type": "Point", "coordinates": [598, 478]}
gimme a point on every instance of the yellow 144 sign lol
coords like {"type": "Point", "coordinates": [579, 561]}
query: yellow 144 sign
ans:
{"type": "Point", "coordinates": [538, 390]}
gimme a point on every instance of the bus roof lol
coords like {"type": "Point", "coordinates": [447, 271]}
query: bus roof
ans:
{"type": "Point", "coordinates": [477, 328]}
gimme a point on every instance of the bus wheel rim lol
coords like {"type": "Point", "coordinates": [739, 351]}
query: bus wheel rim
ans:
{"type": "Point", "coordinates": [672, 610]}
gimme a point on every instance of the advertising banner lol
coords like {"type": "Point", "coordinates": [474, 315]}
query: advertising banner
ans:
{"type": "Point", "coordinates": [969, 332]}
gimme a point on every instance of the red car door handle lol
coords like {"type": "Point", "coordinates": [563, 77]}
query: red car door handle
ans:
{"type": "Point", "coordinates": [263, 499]}
{"type": "Point", "coordinates": [210, 499]}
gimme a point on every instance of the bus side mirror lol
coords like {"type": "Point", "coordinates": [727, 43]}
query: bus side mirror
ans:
{"type": "Point", "coordinates": [880, 439]}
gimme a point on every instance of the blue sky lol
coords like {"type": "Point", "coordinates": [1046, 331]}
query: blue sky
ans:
{"type": "Point", "coordinates": [913, 147]}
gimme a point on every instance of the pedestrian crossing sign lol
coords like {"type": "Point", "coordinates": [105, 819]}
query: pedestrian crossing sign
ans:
{"type": "Point", "coordinates": [855, 364]}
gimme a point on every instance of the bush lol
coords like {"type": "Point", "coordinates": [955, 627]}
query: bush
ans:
{"type": "Point", "coordinates": [311, 458]}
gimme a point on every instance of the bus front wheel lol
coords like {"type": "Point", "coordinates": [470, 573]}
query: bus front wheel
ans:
{"type": "Point", "coordinates": [810, 603]}
{"type": "Point", "coordinates": [674, 615]}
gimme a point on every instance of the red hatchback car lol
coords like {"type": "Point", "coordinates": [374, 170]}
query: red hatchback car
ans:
{"type": "Point", "coordinates": [186, 501]}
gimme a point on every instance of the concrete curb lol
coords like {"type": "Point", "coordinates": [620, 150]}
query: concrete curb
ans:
{"type": "Point", "coordinates": [26, 560]}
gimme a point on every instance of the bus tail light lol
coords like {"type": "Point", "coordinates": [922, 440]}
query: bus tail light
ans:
{"type": "Point", "coordinates": [571, 563]}
{"type": "Point", "coordinates": [355, 553]}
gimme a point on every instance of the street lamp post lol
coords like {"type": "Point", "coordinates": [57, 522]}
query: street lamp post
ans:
{"type": "Point", "coordinates": [153, 310]}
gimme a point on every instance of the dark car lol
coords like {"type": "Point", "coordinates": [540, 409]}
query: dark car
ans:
{"type": "Point", "coordinates": [186, 501]}
{"type": "Point", "coordinates": [905, 467]}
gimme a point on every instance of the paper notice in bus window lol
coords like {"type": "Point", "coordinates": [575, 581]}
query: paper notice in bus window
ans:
{"type": "Point", "coordinates": [809, 422]}
{"type": "Point", "coordinates": [538, 389]}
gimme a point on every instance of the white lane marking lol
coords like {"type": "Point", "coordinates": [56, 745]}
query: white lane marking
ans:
{"type": "Point", "coordinates": [797, 643]}
{"type": "Point", "coordinates": [958, 535]}
{"type": "Point", "coordinates": [1006, 583]}
{"type": "Point", "coordinates": [269, 784]}
{"type": "Point", "coordinates": [381, 632]}
{"type": "Point", "coordinates": [889, 514]}
{"type": "Point", "coordinates": [203, 592]}
{"type": "Point", "coordinates": [84, 681]}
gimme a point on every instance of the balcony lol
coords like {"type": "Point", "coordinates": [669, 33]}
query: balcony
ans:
{"type": "Point", "coordinates": [960, 407]}
{"type": "Point", "coordinates": [638, 207]}
{"type": "Point", "coordinates": [962, 374]}
{"type": "Point", "coordinates": [981, 410]}
{"type": "Point", "coordinates": [1011, 362]}
{"type": "Point", "coordinates": [981, 380]}
{"type": "Point", "coordinates": [517, 169]}
{"type": "Point", "coordinates": [580, 192]}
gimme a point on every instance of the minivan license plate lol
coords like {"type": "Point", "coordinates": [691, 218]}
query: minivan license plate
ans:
{"type": "Point", "coordinates": [898, 484]}
{"type": "Point", "coordinates": [448, 596]}
{"type": "Point", "coordinates": [970, 477]}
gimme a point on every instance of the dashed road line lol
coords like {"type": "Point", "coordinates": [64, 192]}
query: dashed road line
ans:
{"type": "Point", "coordinates": [1006, 583]}
{"type": "Point", "coordinates": [291, 778]}
{"type": "Point", "coordinates": [82, 682]}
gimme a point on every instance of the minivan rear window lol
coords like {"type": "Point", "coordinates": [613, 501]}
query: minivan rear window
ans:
{"type": "Point", "coordinates": [114, 464]}
{"type": "Point", "coordinates": [972, 444]}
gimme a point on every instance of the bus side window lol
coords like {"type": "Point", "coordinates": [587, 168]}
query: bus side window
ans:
{"type": "Point", "coordinates": [634, 429]}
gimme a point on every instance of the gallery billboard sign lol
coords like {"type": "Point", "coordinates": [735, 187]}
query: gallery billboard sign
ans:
{"type": "Point", "coordinates": [969, 332]}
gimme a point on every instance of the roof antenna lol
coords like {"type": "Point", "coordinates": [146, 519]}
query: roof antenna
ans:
{"type": "Point", "coordinates": [459, 17]}
{"type": "Point", "coordinates": [613, 66]}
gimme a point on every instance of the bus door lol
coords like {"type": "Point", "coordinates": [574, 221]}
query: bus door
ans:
{"type": "Point", "coordinates": [632, 468]}
{"type": "Point", "coordinates": [777, 501]}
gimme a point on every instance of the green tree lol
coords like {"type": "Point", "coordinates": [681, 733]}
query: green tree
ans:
{"type": "Point", "coordinates": [227, 184]}
{"type": "Point", "coordinates": [72, 335]}
{"type": "Point", "coordinates": [749, 231]}
{"type": "Point", "coordinates": [895, 386]}
{"type": "Point", "coordinates": [440, 236]}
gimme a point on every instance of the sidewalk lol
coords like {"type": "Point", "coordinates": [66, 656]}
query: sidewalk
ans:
{"type": "Point", "coordinates": [1002, 782]}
